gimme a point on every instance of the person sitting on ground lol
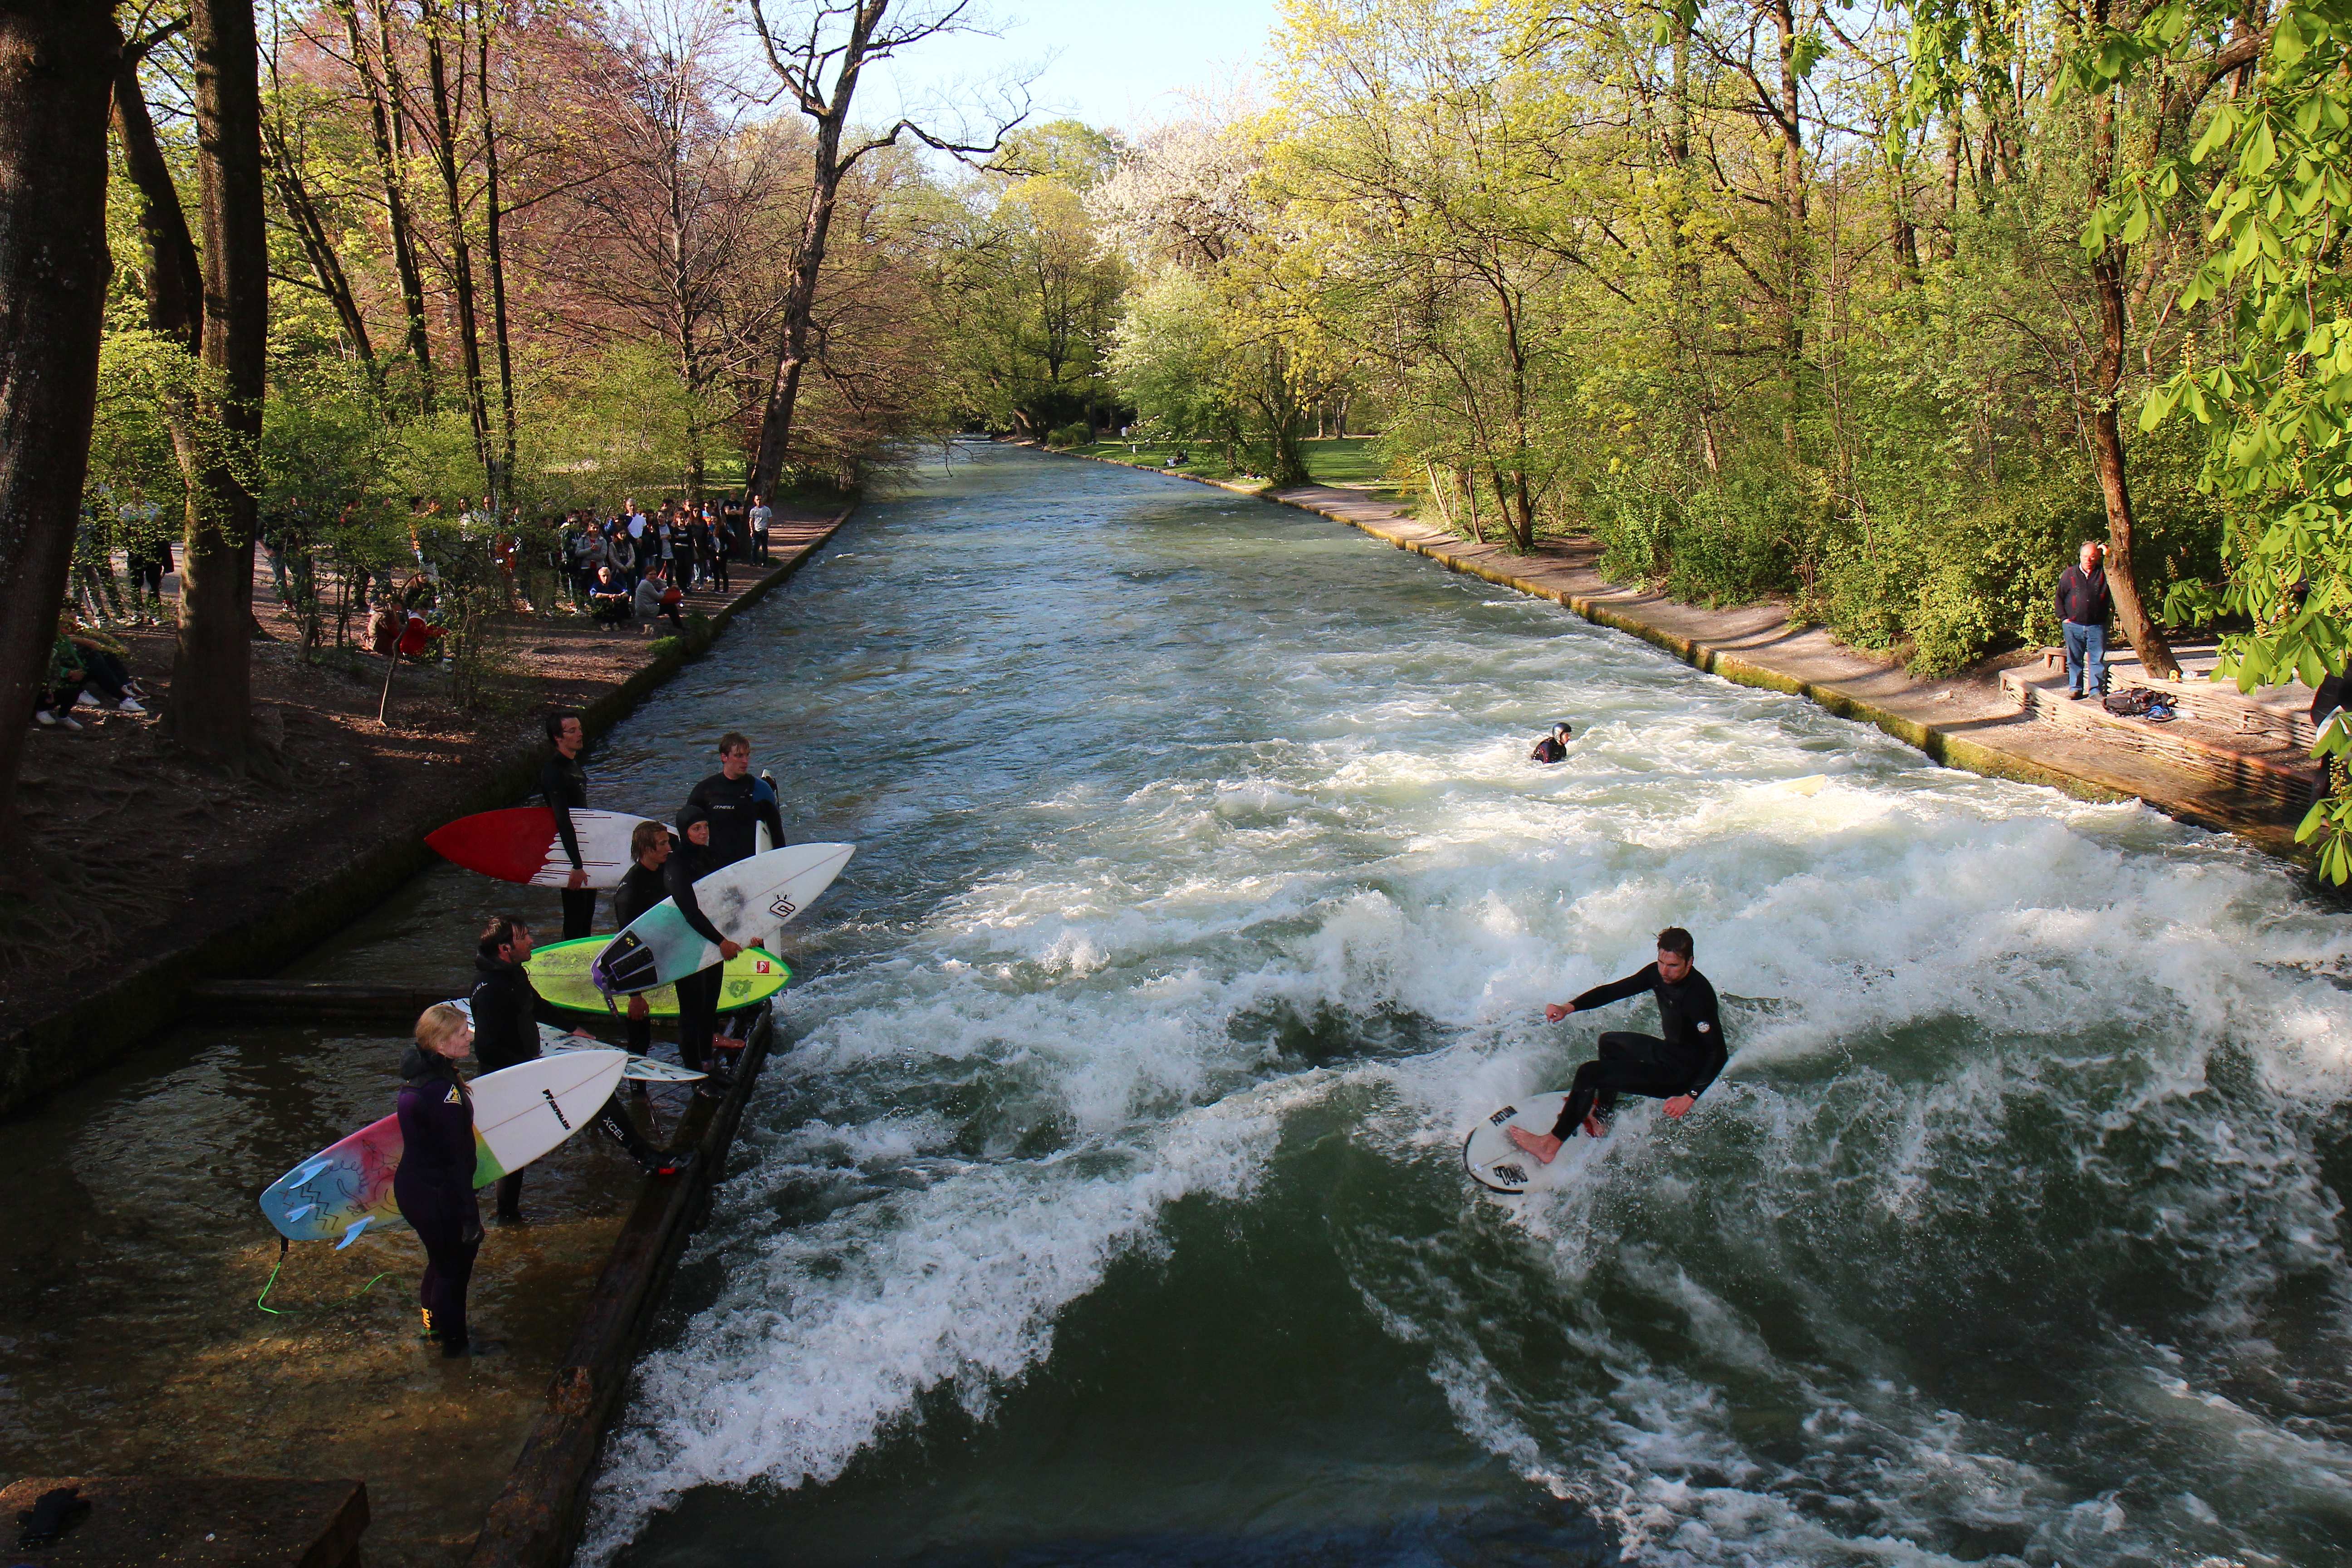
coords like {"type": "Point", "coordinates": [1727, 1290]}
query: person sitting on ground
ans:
{"type": "Point", "coordinates": [1677, 1070]}
{"type": "Point", "coordinates": [102, 659]}
{"type": "Point", "coordinates": [610, 598]}
{"type": "Point", "coordinates": [646, 602]}
{"type": "Point", "coordinates": [1553, 748]}
{"type": "Point", "coordinates": [53, 703]}
{"type": "Point", "coordinates": [1179, 459]}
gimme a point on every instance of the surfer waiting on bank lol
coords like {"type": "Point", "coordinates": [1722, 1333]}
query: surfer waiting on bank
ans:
{"type": "Point", "coordinates": [697, 994]}
{"type": "Point", "coordinates": [1677, 1070]}
{"type": "Point", "coordinates": [736, 805]}
{"type": "Point", "coordinates": [435, 1184]}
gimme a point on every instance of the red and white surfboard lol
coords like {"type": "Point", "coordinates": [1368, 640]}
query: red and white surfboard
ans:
{"type": "Point", "coordinates": [520, 844]}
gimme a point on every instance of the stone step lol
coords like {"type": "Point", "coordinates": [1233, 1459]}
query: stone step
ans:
{"type": "Point", "coordinates": [2252, 743]}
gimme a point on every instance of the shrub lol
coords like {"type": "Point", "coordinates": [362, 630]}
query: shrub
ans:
{"type": "Point", "coordinates": [1068, 436]}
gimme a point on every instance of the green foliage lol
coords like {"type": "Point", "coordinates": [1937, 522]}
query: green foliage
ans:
{"type": "Point", "coordinates": [1068, 437]}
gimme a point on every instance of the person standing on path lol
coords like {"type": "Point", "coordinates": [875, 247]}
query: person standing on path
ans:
{"type": "Point", "coordinates": [563, 784]}
{"type": "Point", "coordinates": [434, 1184]}
{"type": "Point", "coordinates": [1677, 1070]}
{"type": "Point", "coordinates": [762, 516]}
{"type": "Point", "coordinates": [2083, 606]}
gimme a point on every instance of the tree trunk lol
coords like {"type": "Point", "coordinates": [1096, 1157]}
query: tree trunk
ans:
{"type": "Point", "coordinates": [496, 250]}
{"type": "Point", "coordinates": [58, 61]}
{"type": "Point", "coordinates": [173, 276]}
{"type": "Point", "coordinates": [310, 229]}
{"type": "Point", "coordinates": [2106, 429]}
{"type": "Point", "coordinates": [461, 259]}
{"type": "Point", "coordinates": [211, 710]}
{"type": "Point", "coordinates": [808, 257]}
{"type": "Point", "coordinates": [383, 123]}
{"type": "Point", "coordinates": [1792, 217]}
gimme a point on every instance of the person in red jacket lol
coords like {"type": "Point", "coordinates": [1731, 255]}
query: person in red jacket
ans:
{"type": "Point", "coordinates": [2083, 606]}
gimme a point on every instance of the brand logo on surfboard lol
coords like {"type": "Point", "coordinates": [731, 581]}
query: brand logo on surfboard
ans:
{"type": "Point", "coordinates": [784, 909]}
{"type": "Point", "coordinates": [548, 1095]}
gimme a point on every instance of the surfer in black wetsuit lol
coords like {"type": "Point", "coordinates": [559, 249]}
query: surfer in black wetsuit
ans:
{"type": "Point", "coordinates": [697, 994]}
{"type": "Point", "coordinates": [506, 1013]}
{"type": "Point", "coordinates": [563, 784]}
{"type": "Point", "coordinates": [434, 1184]}
{"type": "Point", "coordinates": [640, 888]}
{"type": "Point", "coordinates": [1677, 1070]}
{"type": "Point", "coordinates": [736, 804]}
{"type": "Point", "coordinates": [1553, 748]}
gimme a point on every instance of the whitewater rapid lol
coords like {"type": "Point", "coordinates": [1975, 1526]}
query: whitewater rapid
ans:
{"type": "Point", "coordinates": [1206, 896]}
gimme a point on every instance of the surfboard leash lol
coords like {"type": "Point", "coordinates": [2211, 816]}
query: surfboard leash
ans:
{"type": "Point", "coordinates": [262, 1300]}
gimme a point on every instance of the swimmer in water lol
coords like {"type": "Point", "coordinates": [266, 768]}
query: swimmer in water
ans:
{"type": "Point", "coordinates": [1553, 748]}
{"type": "Point", "coordinates": [1675, 1070]}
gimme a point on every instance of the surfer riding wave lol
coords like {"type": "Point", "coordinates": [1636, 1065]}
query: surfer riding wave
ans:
{"type": "Point", "coordinates": [1677, 1070]}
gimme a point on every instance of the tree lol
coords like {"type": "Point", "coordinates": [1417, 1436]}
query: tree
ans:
{"type": "Point", "coordinates": [843, 38]}
{"type": "Point", "coordinates": [211, 709]}
{"type": "Point", "coordinates": [57, 67]}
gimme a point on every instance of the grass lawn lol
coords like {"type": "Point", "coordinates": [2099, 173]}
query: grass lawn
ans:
{"type": "Point", "coordinates": [1342, 460]}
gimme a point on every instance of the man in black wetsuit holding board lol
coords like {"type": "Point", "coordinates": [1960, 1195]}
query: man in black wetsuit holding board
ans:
{"type": "Point", "coordinates": [736, 804]}
{"type": "Point", "coordinates": [563, 784]}
{"type": "Point", "coordinates": [1677, 1070]}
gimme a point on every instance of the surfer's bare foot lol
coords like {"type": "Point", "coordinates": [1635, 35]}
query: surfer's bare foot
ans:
{"type": "Point", "coordinates": [1542, 1145]}
{"type": "Point", "coordinates": [1594, 1127]}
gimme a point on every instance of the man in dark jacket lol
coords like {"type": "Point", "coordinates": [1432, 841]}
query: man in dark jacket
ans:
{"type": "Point", "coordinates": [1677, 1070]}
{"type": "Point", "coordinates": [507, 1011]}
{"type": "Point", "coordinates": [2083, 606]}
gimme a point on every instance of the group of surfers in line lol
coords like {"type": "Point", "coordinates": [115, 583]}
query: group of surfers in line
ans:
{"type": "Point", "coordinates": [717, 826]}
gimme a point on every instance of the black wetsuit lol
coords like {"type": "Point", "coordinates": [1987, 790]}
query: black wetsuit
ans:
{"type": "Point", "coordinates": [697, 994]}
{"type": "Point", "coordinates": [563, 784]}
{"type": "Point", "coordinates": [1549, 750]}
{"type": "Point", "coordinates": [434, 1188]}
{"type": "Point", "coordinates": [639, 891]}
{"type": "Point", "coordinates": [736, 808]}
{"type": "Point", "coordinates": [1685, 1062]}
{"type": "Point", "coordinates": [506, 1015]}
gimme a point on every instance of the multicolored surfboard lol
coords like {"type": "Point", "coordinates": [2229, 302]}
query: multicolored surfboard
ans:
{"type": "Point", "coordinates": [744, 901]}
{"type": "Point", "coordinates": [558, 973]}
{"type": "Point", "coordinates": [520, 1113]}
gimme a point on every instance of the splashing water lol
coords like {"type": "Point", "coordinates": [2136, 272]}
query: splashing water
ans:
{"type": "Point", "coordinates": [1109, 1205]}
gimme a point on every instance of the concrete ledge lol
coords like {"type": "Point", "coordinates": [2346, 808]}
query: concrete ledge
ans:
{"type": "Point", "coordinates": [537, 1520]}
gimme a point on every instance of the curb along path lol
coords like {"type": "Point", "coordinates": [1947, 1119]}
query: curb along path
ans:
{"type": "Point", "coordinates": [1963, 722]}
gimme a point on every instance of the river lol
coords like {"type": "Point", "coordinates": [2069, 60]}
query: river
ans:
{"type": "Point", "coordinates": [1108, 1206]}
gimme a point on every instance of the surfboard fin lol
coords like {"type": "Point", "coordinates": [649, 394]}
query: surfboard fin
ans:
{"type": "Point", "coordinates": [352, 1234]}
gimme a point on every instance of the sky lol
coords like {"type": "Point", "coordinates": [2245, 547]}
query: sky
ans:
{"type": "Point", "coordinates": [1112, 63]}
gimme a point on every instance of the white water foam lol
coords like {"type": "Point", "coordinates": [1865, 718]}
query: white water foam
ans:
{"type": "Point", "coordinates": [1966, 1012]}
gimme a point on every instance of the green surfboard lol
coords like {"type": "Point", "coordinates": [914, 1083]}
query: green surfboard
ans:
{"type": "Point", "coordinates": [559, 972]}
